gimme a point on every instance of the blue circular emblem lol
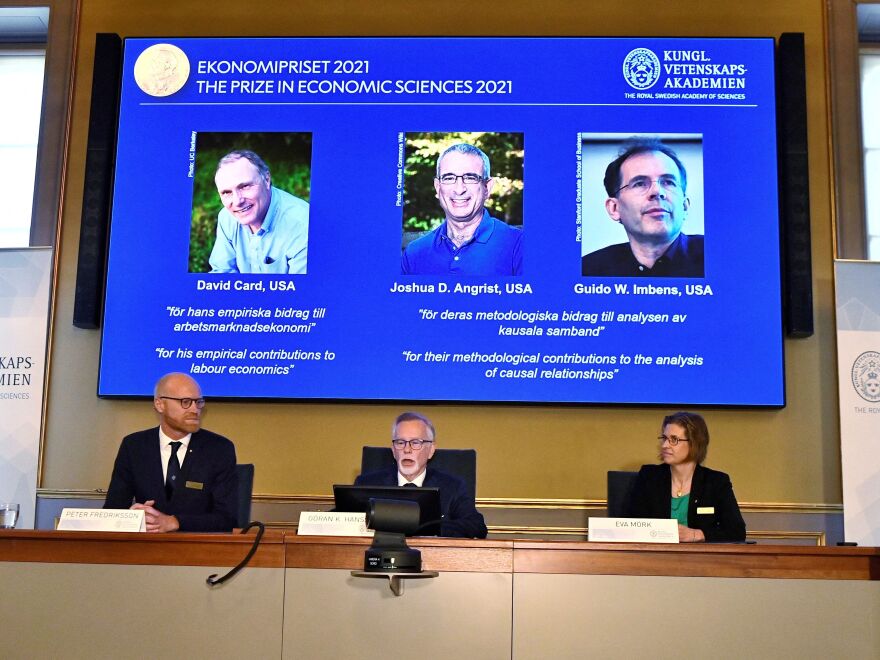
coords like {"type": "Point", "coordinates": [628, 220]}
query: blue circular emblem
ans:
{"type": "Point", "coordinates": [866, 376]}
{"type": "Point", "coordinates": [641, 68]}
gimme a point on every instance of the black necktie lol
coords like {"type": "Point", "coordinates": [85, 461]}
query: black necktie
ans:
{"type": "Point", "coordinates": [173, 470]}
{"type": "Point", "coordinates": [410, 485]}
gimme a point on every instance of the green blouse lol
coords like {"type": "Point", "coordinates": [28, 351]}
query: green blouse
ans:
{"type": "Point", "coordinates": [680, 508]}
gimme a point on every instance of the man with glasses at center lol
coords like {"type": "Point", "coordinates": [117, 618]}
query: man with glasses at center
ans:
{"type": "Point", "coordinates": [647, 195]}
{"type": "Point", "coordinates": [413, 446]}
{"type": "Point", "coordinates": [182, 476]}
{"type": "Point", "coordinates": [469, 241]}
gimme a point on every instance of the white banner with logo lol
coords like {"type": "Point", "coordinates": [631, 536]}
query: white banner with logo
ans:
{"type": "Point", "coordinates": [858, 360]}
{"type": "Point", "coordinates": [25, 277]}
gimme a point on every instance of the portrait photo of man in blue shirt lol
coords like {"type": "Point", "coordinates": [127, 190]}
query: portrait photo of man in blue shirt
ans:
{"type": "Point", "coordinates": [647, 188]}
{"type": "Point", "coordinates": [469, 241]}
{"type": "Point", "coordinates": [261, 228]}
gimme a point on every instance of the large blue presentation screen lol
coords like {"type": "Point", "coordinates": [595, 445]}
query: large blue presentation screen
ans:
{"type": "Point", "coordinates": [545, 220]}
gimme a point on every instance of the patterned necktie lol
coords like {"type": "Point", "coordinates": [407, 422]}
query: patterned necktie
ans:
{"type": "Point", "coordinates": [173, 470]}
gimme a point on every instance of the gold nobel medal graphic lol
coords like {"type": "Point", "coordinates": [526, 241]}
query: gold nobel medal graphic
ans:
{"type": "Point", "coordinates": [161, 70]}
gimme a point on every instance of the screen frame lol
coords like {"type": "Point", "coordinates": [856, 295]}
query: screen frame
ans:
{"type": "Point", "coordinates": [509, 402]}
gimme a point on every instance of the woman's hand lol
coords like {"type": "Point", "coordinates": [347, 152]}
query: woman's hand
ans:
{"type": "Point", "coordinates": [688, 535]}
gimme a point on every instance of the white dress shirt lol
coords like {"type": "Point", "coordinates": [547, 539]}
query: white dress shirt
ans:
{"type": "Point", "coordinates": [403, 481]}
{"type": "Point", "coordinates": [165, 450]}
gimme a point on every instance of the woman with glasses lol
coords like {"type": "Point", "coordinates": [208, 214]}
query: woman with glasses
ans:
{"type": "Point", "coordinates": [701, 499]}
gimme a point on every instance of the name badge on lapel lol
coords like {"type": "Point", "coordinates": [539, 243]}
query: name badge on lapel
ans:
{"type": "Point", "coordinates": [196, 485]}
{"type": "Point", "coordinates": [700, 509]}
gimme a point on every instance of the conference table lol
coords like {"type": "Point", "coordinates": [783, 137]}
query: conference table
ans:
{"type": "Point", "coordinates": [97, 595]}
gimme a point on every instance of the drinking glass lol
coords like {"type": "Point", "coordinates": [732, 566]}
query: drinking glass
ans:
{"type": "Point", "coordinates": [8, 515]}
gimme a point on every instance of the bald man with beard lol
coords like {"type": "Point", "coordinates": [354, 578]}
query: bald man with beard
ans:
{"type": "Point", "coordinates": [182, 476]}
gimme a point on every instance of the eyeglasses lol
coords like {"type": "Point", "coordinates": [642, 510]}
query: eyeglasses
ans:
{"type": "Point", "coordinates": [671, 439]}
{"type": "Point", "coordinates": [415, 444]}
{"type": "Point", "coordinates": [469, 179]}
{"type": "Point", "coordinates": [186, 402]}
{"type": "Point", "coordinates": [642, 184]}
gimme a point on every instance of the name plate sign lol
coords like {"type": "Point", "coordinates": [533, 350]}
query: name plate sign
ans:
{"type": "Point", "coordinates": [102, 520]}
{"type": "Point", "coordinates": [333, 523]}
{"type": "Point", "coordinates": [633, 530]}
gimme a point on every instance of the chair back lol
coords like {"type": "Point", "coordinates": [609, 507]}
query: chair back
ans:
{"type": "Point", "coordinates": [245, 473]}
{"type": "Point", "coordinates": [460, 462]}
{"type": "Point", "coordinates": [620, 487]}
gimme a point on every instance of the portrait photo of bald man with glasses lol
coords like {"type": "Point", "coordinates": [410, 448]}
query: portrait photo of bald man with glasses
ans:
{"type": "Point", "coordinates": [647, 195]}
{"type": "Point", "coordinates": [469, 241]}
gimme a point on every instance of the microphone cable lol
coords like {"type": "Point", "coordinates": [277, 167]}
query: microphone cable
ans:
{"type": "Point", "coordinates": [214, 581]}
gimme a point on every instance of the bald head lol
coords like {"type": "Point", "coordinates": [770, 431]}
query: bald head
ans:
{"type": "Point", "coordinates": [171, 380]}
{"type": "Point", "coordinates": [177, 399]}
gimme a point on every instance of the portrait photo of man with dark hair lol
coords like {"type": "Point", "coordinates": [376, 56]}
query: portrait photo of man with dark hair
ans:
{"type": "Point", "coordinates": [646, 187]}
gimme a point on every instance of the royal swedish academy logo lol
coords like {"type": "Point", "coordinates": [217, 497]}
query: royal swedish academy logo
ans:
{"type": "Point", "coordinates": [641, 68]}
{"type": "Point", "coordinates": [866, 376]}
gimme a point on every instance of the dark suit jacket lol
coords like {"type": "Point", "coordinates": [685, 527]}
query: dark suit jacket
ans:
{"type": "Point", "coordinates": [652, 498]}
{"type": "Point", "coordinates": [207, 502]}
{"type": "Point", "coordinates": [460, 516]}
{"type": "Point", "coordinates": [684, 258]}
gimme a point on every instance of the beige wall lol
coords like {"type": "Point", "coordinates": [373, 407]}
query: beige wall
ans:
{"type": "Point", "coordinates": [788, 455]}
